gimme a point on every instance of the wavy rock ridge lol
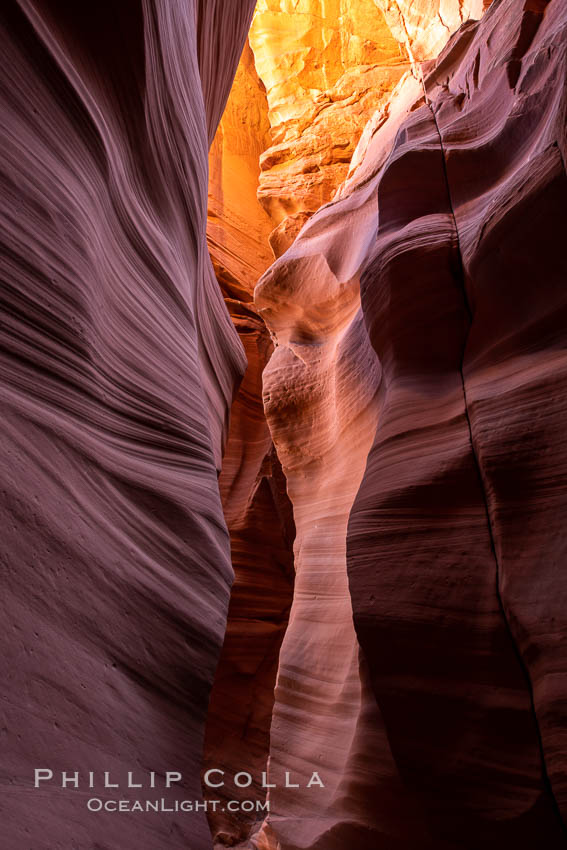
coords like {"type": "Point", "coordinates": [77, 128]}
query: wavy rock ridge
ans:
{"type": "Point", "coordinates": [323, 70]}
{"type": "Point", "coordinates": [463, 643]}
{"type": "Point", "coordinates": [119, 363]}
{"type": "Point", "coordinates": [467, 318]}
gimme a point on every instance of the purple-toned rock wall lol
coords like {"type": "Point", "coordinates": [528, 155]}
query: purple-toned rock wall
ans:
{"type": "Point", "coordinates": [119, 362]}
{"type": "Point", "coordinates": [456, 543]}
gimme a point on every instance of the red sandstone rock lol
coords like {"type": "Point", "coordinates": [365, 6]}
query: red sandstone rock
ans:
{"type": "Point", "coordinates": [253, 489]}
{"type": "Point", "coordinates": [320, 393]}
{"type": "Point", "coordinates": [322, 398]}
{"type": "Point", "coordinates": [259, 518]}
{"type": "Point", "coordinates": [119, 366]}
{"type": "Point", "coordinates": [444, 629]}
{"type": "Point", "coordinates": [454, 543]}
{"type": "Point", "coordinates": [447, 732]}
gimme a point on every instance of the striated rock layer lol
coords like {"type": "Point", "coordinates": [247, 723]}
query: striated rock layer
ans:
{"type": "Point", "coordinates": [456, 541]}
{"type": "Point", "coordinates": [119, 362]}
{"type": "Point", "coordinates": [327, 67]}
{"type": "Point", "coordinates": [259, 518]}
{"type": "Point", "coordinates": [322, 396]}
{"type": "Point", "coordinates": [450, 219]}
{"type": "Point", "coordinates": [238, 227]}
{"type": "Point", "coordinates": [320, 399]}
{"type": "Point", "coordinates": [253, 489]}
{"type": "Point", "coordinates": [412, 342]}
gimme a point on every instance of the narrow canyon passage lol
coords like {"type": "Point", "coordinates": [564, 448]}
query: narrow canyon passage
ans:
{"type": "Point", "coordinates": [284, 322]}
{"type": "Point", "coordinates": [302, 99]}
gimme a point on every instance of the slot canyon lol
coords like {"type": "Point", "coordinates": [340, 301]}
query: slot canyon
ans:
{"type": "Point", "coordinates": [284, 382]}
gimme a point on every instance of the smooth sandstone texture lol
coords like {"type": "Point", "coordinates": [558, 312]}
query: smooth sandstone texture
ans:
{"type": "Point", "coordinates": [456, 538]}
{"type": "Point", "coordinates": [238, 229]}
{"type": "Point", "coordinates": [320, 399]}
{"type": "Point", "coordinates": [119, 364]}
{"type": "Point", "coordinates": [322, 396]}
{"type": "Point", "coordinates": [416, 336]}
{"type": "Point", "coordinates": [260, 521]}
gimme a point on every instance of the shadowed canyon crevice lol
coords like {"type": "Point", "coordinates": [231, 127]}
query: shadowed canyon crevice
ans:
{"type": "Point", "coordinates": [285, 391]}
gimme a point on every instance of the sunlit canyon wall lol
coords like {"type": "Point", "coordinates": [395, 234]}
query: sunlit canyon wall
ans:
{"type": "Point", "coordinates": [445, 732]}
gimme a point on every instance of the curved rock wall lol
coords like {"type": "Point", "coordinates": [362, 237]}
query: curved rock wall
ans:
{"type": "Point", "coordinates": [449, 598]}
{"type": "Point", "coordinates": [253, 489]}
{"type": "Point", "coordinates": [322, 396]}
{"type": "Point", "coordinates": [259, 518]}
{"type": "Point", "coordinates": [424, 26]}
{"type": "Point", "coordinates": [119, 363]}
{"type": "Point", "coordinates": [320, 400]}
{"type": "Point", "coordinates": [454, 543]}
{"type": "Point", "coordinates": [411, 341]}
{"type": "Point", "coordinates": [238, 227]}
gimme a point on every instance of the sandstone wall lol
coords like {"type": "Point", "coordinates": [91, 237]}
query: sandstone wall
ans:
{"type": "Point", "coordinates": [463, 647]}
{"type": "Point", "coordinates": [454, 540]}
{"type": "Point", "coordinates": [326, 67]}
{"type": "Point", "coordinates": [389, 483]}
{"type": "Point", "coordinates": [119, 362]}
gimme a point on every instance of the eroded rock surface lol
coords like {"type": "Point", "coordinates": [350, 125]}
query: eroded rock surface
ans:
{"type": "Point", "coordinates": [466, 653]}
{"type": "Point", "coordinates": [253, 489]}
{"type": "Point", "coordinates": [326, 68]}
{"type": "Point", "coordinates": [414, 393]}
{"type": "Point", "coordinates": [454, 544]}
{"type": "Point", "coordinates": [424, 25]}
{"type": "Point", "coordinates": [119, 364]}
{"type": "Point", "coordinates": [259, 518]}
{"type": "Point", "coordinates": [238, 227]}
{"type": "Point", "coordinates": [322, 395]}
